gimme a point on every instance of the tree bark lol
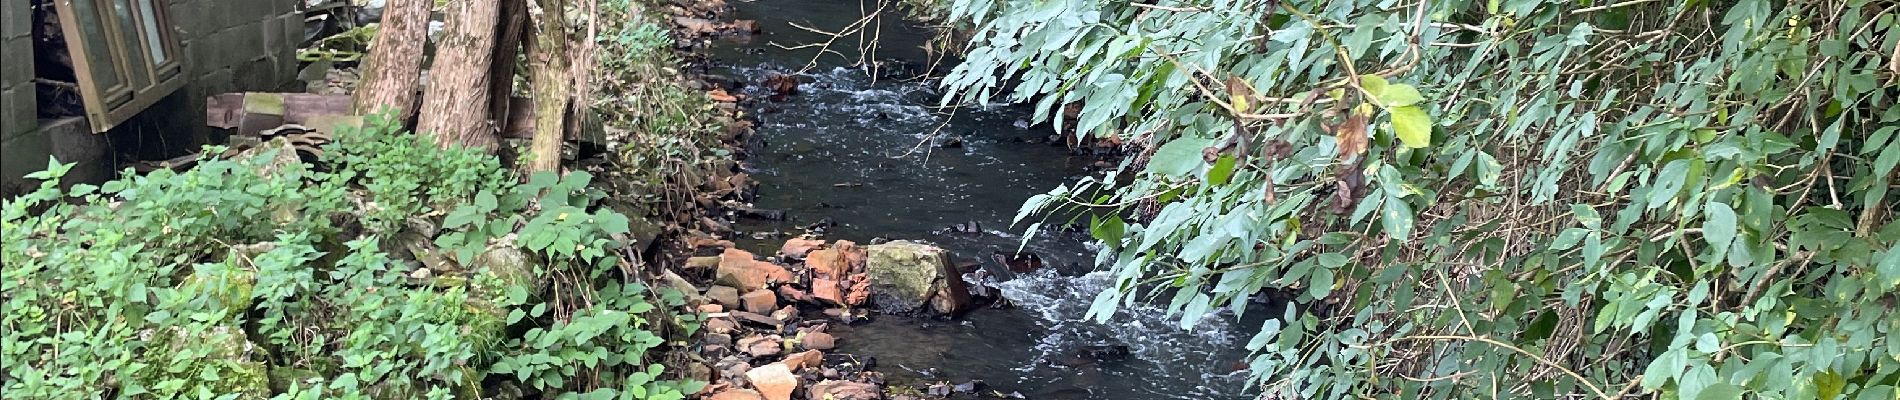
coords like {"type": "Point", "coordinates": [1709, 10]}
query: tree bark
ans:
{"type": "Point", "coordinates": [455, 105]}
{"type": "Point", "coordinates": [549, 69]}
{"type": "Point", "coordinates": [501, 79]}
{"type": "Point", "coordinates": [395, 60]}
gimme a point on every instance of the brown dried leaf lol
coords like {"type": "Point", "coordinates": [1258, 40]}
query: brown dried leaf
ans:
{"type": "Point", "coordinates": [1238, 94]}
{"type": "Point", "coordinates": [1351, 136]}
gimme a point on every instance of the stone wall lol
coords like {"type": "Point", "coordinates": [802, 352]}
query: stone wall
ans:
{"type": "Point", "coordinates": [226, 45]}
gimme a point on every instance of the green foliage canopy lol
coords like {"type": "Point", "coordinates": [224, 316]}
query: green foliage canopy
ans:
{"type": "Point", "coordinates": [1489, 198]}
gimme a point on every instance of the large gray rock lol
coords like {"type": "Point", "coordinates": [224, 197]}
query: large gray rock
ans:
{"type": "Point", "coordinates": [908, 276]}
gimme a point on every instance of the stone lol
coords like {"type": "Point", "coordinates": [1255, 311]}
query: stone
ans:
{"type": "Point", "coordinates": [721, 325]}
{"type": "Point", "coordinates": [737, 268]}
{"type": "Point", "coordinates": [792, 294]}
{"type": "Point", "coordinates": [723, 295]}
{"type": "Point", "coordinates": [827, 263]}
{"type": "Point", "coordinates": [510, 265]}
{"type": "Point", "coordinates": [759, 301]}
{"type": "Point", "coordinates": [679, 283]}
{"type": "Point", "coordinates": [827, 291]}
{"type": "Point", "coordinates": [774, 381]}
{"type": "Point", "coordinates": [798, 247]}
{"type": "Point", "coordinates": [857, 290]}
{"type": "Point", "coordinates": [736, 394]}
{"type": "Point", "coordinates": [906, 276]}
{"type": "Point", "coordinates": [807, 358]}
{"type": "Point", "coordinates": [711, 308]}
{"type": "Point", "coordinates": [762, 346]}
{"type": "Point", "coordinates": [732, 367]}
{"type": "Point", "coordinates": [845, 390]}
{"type": "Point", "coordinates": [703, 262]}
{"type": "Point", "coordinates": [756, 318]}
{"type": "Point", "coordinates": [786, 315]}
{"type": "Point", "coordinates": [818, 341]}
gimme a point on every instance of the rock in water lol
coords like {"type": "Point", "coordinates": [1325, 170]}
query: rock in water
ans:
{"type": "Point", "coordinates": [845, 390]}
{"type": "Point", "coordinates": [907, 276]}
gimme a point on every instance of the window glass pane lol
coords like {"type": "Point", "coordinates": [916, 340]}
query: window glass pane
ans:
{"type": "Point", "coordinates": [135, 63]}
{"type": "Point", "coordinates": [104, 73]}
{"type": "Point", "coordinates": [154, 45]}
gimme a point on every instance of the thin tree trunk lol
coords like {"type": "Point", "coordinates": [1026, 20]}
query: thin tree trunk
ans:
{"type": "Point", "coordinates": [501, 81]}
{"type": "Point", "coordinates": [548, 71]}
{"type": "Point", "coordinates": [395, 60]}
{"type": "Point", "coordinates": [582, 50]}
{"type": "Point", "coordinates": [455, 105]}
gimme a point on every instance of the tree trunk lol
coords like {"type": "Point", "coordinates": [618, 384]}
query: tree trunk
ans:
{"type": "Point", "coordinates": [501, 79]}
{"type": "Point", "coordinates": [395, 60]}
{"type": "Point", "coordinates": [455, 105]}
{"type": "Point", "coordinates": [548, 71]}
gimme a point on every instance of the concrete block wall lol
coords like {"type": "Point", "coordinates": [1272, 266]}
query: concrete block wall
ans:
{"type": "Point", "coordinates": [226, 46]}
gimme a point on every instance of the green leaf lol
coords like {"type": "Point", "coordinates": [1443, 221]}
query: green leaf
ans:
{"type": "Point", "coordinates": [1722, 391]}
{"type": "Point", "coordinates": [1719, 227]}
{"type": "Point", "coordinates": [1180, 157]}
{"type": "Point", "coordinates": [1400, 95]}
{"type": "Point", "coordinates": [1889, 269]}
{"type": "Point", "coordinates": [612, 222]}
{"type": "Point", "coordinates": [1397, 218]}
{"type": "Point", "coordinates": [1412, 126]}
{"type": "Point", "coordinates": [1222, 171]}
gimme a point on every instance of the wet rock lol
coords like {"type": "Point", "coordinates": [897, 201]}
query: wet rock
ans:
{"type": "Point", "coordinates": [773, 381]}
{"type": "Point", "coordinates": [818, 341]}
{"type": "Point", "coordinates": [967, 387]}
{"type": "Point", "coordinates": [759, 213]}
{"type": "Point", "coordinates": [736, 394]}
{"type": "Point", "coordinates": [755, 318]}
{"type": "Point", "coordinates": [845, 390]}
{"type": "Point", "coordinates": [857, 289]}
{"type": "Point", "coordinates": [951, 143]}
{"type": "Point", "coordinates": [807, 358]}
{"type": "Point", "coordinates": [798, 248]}
{"type": "Point", "coordinates": [759, 301]}
{"type": "Point", "coordinates": [965, 228]}
{"type": "Point", "coordinates": [1023, 262]}
{"type": "Point", "coordinates": [781, 85]}
{"type": "Point", "coordinates": [789, 314]}
{"type": "Point", "coordinates": [762, 346]}
{"type": "Point", "coordinates": [827, 291]}
{"type": "Point", "coordinates": [745, 26]}
{"type": "Point", "coordinates": [724, 295]}
{"type": "Point", "coordinates": [907, 276]}
{"type": "Point", "coordinates": [738, 268]}
{"type": "Point", "coordinates": [827, 263]}
{"type": "Point", "coordinates": [792, 294]}
{"type": "Point", "coordinates": [698, 26]}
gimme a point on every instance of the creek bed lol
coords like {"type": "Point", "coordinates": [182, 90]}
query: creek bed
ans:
{"type": "Point", "coordinates": [867, 154]}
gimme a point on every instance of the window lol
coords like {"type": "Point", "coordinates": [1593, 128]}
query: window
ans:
{"type": "Point", "coordinates": [123, 55]}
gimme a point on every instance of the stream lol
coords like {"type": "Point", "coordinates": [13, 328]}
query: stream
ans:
{"type": "Point", "coordinates": [869, 155]}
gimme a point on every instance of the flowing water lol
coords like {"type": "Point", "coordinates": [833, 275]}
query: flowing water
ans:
{"type": "Point", "coordinates": [867, 154]}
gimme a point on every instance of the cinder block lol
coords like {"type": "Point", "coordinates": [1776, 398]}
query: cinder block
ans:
{"type": "Point", "coordinates": [217, 81]}
{"type": "Point", "coordinates": [293, 31]}
{"type": "Point", "coordinates": [19, 110]}
{"type": "Point", "coordinates": [271, 33]}
{"type": "Point", "coordinates": [193, 20]}
{"type": "Point", "coordinates": [246, 42]}
{"type": "Point", "coordinates": [16, 19]}
{"type": "Point", "coordinates": [255, 75]}
{"type": "Point", "coordinates": [17, 65]}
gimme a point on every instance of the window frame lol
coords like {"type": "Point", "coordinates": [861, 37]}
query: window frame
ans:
{"type": "Point", "coordinates": [129, 57]}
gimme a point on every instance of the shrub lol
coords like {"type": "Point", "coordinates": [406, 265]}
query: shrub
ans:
{"type": "Point", "coordinates": [260, 276]}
